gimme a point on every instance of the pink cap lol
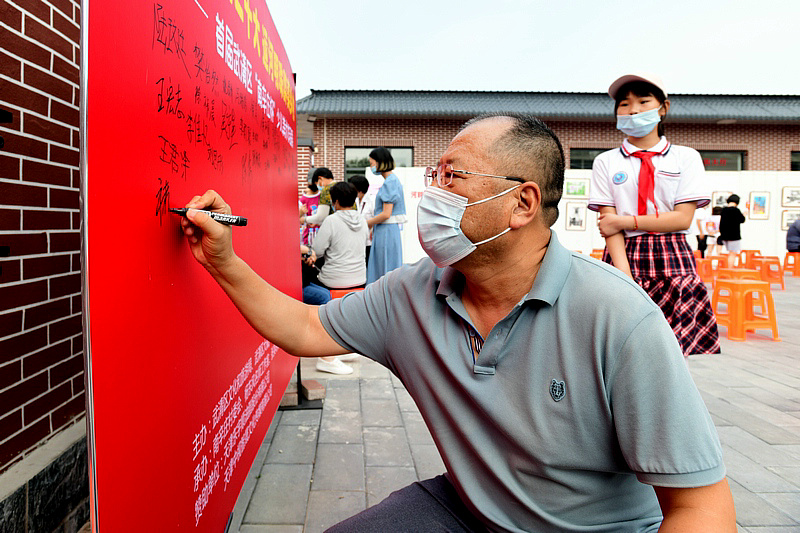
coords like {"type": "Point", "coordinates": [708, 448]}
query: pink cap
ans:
{"type": "Point", "coordinates": [641, 76]}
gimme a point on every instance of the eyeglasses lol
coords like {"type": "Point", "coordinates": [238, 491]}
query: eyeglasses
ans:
{"type": "Point", "coordinates": [443, 174]}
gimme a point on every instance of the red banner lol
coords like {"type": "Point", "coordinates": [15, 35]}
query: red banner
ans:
{"type": "Point", "coordinates": [180, 96]}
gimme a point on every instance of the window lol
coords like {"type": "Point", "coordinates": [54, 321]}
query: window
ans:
{"type": "Point", "coordinates": [795, 161]}
{"type": "Point", "coordinates": [583, 157]}
{"type": "Point", "coordinates": [357, 159]}
{"type": "Point", "coordinates": [722, 160]}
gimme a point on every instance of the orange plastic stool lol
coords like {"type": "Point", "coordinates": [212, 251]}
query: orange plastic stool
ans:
{"type": "Point", "coordinates": [740, 297]}
{"type": "Point", "coordinates": [597, 253]}
{"type": "Point", "coordinates": [698, 254]}
{"type": "Point", "coordinates": [738, 273]}
{"type": "Point", "coordinates": [768, 273]}
{"type": "Point", "coordinates": [791, 263]}
{"type": "Point", "coordinates": [746, 258]}
{"type": "Point", "coordinates": [718, 261]}
{"type": "Point", "coordinates": [705, 271]}
{"type": "Point", "coordinates": [338, 293]}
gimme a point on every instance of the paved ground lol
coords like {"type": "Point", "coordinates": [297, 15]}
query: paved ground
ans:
{"type": "Point", "coordinates": [318, 467]}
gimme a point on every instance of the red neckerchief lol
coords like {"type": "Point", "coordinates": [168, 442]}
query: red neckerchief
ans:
{"type": "Point", "coordinates": [647, 180]}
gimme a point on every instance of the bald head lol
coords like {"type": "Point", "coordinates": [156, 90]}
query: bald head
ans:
{"type": "Point", "coordinates": [523, 146]}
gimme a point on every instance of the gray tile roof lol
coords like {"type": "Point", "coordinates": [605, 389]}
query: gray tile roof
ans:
{"type": "Point", "coordinates": [577, 106]}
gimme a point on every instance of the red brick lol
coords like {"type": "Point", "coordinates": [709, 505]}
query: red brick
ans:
{"type": "Point", "coordinates": [66, 328]}
{"type": "Point", "coordinates": [76, 138]}
{"type": "Point", "coordinates": [65, 6]}
{"type": "Point", "coordinates": [65, 414]}
{"type": "Point", "coordinates": [9, 220]}
{"type": "Point", "coordinates": [65, 242]}
{"type": "Point", "coordinates": [66, 199]}
{"type": "Point", "coordinates": [45, 129]}
{"type": "Point", "coordinates": [16, 94]}
{"type": "Point", "coordinates": [12, 296]}
{"type": "Point", "coordinates": [37, 8]}
{"type": "Point", "coordinates": [11, 16]}
{"type": "Point", "coordinates": [9, 66]}
{"type": "Point", "coordinates": [51, 265]}
{"type": "Point", "coordinates": [79, 384]}
{"type": "Point", "coordinates": [50, 220]}
{"type": "Point", "coordinates": [76, 94]}
{"type": "Point", "coordinates": [66, 156]}
{"type": "Point", "coordinates": [76, 225]}
{"type": "Point", "coordinates": [50, 356]}
{"type": "Point", "coordinates": [46, 403]}
{"type": "Point", "coordinates": [10, 374]}
{"type": "Point", "coordinates": [64, 113]}
{"type": "Point", "coordinates": [46, 173]}
{"type": "Point", "coordinates": [76, 264]}
{"type": "Point", "coordinates": [22, 393]}
{"type": "Point", "coordinates": [77, 307]}
{"type": "Point", "coordinates": [9, 270]}
{"type": "Point", "coordinates": [67, 369]}
{"type": "Point", "coordinates": [64, 285]}
{"type": "Point", "coordinates": [25, 244]}
{"type": "Point", "coordinates": [9, 167]}
{"type": "Point", "coordinates": [11, 423]}
{"type": "Point", "coordinates": [20, 194]}
{"type": "Point", "coordinates": [16, 121]}
{"type": "Point", "coordinates": [47, 83]}
{"type": "Point", "coordinates": [65, 26]}
{"type": "Point", "coordinates": [21, 442]}
{"type": "Point", "coordinates": [24, 146]}
{"type": "Point", "coordinates": [10, 323]}
{"type": "Point", "coordinates": [76, 178]}
{"type": "Point", "coordinates": [25, 49]}
{"type": "Point", "coordinates": [38, 32]}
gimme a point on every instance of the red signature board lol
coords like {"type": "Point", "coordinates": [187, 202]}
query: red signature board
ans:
{"type": "Point", "coordinates": [180, 96]}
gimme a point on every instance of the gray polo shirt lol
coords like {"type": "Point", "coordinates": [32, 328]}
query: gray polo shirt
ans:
{"type": "Point", "coordinates": [578, 400]}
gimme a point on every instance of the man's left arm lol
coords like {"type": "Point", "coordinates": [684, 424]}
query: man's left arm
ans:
{"type": "Point", "coordinates": [708, 509]}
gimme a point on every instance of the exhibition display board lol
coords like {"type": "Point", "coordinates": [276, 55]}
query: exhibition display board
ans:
{"type": "Point", "coordinates": [178, 97]}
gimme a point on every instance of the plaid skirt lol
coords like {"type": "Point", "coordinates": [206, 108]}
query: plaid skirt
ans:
{"type": "Point", "coordinates": [664, 266]}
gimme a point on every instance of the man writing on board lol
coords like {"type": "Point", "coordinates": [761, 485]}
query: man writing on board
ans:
{"type": "Point", "coordinates": [553, 386]}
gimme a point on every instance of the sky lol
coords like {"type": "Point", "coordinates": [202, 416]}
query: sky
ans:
{"type": "Point", "coordinates": [698, 46]}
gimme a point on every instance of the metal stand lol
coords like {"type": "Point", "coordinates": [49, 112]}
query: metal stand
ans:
{"type": "Point", "coordinates": [302, 404]}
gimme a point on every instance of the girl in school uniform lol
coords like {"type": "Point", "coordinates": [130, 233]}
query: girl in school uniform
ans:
{"type": "Point", "coordinates": [646, 192]}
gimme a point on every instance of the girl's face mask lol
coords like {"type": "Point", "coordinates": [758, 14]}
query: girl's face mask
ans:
{"type": "Point", "coordinates": [640, 124]}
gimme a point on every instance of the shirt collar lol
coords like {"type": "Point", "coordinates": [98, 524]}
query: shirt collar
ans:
{"type": "Point", "coordinates": [547, 286]}
{"type": "Point", "coordinates": [662, 147]}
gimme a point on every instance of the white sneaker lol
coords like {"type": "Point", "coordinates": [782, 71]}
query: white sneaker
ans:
{"type": "Point", "coordinates": [336, 367]}
{"type": "Point", "coordinates": [348, 357]}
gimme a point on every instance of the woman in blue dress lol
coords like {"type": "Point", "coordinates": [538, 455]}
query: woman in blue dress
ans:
{"type": "Point", "coordinates": [390, 212]}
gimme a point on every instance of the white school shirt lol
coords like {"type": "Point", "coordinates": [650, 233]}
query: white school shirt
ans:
{"type": "Point", "coordinates": [679, 174]}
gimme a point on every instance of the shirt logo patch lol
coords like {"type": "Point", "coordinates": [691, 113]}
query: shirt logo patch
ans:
{"type": "Point", "coordinates": [558, 390]}
{"type": "Point", "coordinates": [619, 178]}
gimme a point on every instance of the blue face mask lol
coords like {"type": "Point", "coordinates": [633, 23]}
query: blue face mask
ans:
{"type": "Point", "coordinates": [375, 171]}
{"type": "Point", "coordinates": [640, 124]}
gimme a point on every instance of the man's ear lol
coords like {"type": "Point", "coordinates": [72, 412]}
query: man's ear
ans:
{"type": "Point", "coordinates": [529, 204]}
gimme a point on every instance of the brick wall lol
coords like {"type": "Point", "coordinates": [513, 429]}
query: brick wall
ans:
{"type": "Point", "coordinates": [41, 346]}
{"type": "Point", "coordinates": [766, 147]}
{"type": "Point", "coordinates": [303, 166]}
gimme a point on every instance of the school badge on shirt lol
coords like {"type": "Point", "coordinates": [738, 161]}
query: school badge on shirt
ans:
{"type": "Point", "coordinates": [558, 390]}
{"type": "Point", "coordinates": [619, 178]}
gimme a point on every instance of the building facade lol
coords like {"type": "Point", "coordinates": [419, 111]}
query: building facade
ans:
{"type": "Point", "coordinates": [43, 459]}
{"type": "Point", "coordinates": [731, 132]}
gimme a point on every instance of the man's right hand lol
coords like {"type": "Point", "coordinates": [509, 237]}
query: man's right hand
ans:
{"type": "Point", "coordinates": [210, 242]}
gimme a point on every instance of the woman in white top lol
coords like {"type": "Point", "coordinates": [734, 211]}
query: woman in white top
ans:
{"type": "Point", "coordinates": [646, 192]}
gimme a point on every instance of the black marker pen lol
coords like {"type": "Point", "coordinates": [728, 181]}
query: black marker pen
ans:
{"type": "Point", "coordinates": [222, 218]}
